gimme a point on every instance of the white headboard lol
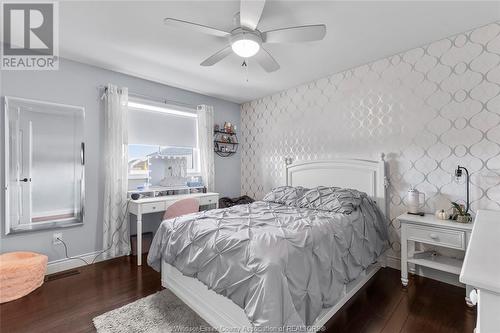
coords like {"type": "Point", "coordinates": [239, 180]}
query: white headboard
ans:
{"type": "Point", "coordinates": [363, 175]}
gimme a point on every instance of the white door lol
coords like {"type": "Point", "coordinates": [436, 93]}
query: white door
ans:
{"type": "Point", "coordinates": [45, 171]}
{"type": "Point", "coordinates": [24, 180]}
{"type": "Point", "coordinates": [20, 149]}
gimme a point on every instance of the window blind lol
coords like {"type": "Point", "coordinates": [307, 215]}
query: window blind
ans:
{"type": "Point", "coordinates": [161, 128]}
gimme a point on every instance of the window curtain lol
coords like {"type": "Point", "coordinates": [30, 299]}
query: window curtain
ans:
{"type": "Point", "coordinates": [206, 145]}
{"type": "Point", "coordinates": [116, 233]}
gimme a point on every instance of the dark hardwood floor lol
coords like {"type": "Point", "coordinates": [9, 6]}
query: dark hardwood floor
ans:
{"type": "Point", "coordinates": [68, 304]}
{"type": "Point", "coordinates": [426, 306]}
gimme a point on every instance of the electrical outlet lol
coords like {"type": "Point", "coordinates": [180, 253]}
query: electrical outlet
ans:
{"type": "Point", "coordinates": [55, 238]}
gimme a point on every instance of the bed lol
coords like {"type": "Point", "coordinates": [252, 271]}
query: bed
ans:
{"type": "Point", "coordinates": [297, 267]}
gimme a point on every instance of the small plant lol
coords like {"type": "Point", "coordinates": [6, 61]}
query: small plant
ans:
{"type": "Point", "coordinates": [459, 209]}
{"type": "Point", "coordinates": [460, 214]}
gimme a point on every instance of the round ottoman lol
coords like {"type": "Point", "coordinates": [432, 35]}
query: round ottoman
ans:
{"type": "Point", "coordinates": [20, 274]}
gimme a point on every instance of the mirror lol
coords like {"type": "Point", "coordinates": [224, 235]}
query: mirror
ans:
{"type": "Point", "coordinates": [44, 165]}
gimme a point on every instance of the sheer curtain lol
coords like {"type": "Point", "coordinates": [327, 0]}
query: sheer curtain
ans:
{"type": "Point", "coordinates": [206, 145]}
{"type": "Point", "coordinates": [116, 234]}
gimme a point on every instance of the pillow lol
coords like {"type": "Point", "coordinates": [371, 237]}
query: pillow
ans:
{"type": "Point", "coordinates": [286, 195]}
{"type": "Point", "coordinates": [332, 199]}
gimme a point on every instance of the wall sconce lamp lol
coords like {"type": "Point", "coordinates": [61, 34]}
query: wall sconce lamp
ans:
{"type": "Point", "coordinates": [458, 174]}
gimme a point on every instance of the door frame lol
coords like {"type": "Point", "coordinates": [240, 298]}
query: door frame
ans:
{"type": "Point", "coordinates": [42, 226]}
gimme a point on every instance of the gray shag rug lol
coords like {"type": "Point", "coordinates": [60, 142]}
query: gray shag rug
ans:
{"type": "Point", "coordinates": [161, 312]}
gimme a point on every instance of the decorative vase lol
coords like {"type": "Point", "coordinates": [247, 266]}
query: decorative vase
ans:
{"type": "Point", "coordinates": [464, 218]}
{"type": "Point", "coordinates": [415, 205]}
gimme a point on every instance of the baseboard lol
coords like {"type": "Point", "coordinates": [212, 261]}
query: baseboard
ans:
{"type": "Point", "coordinates": [395, 262]}
{"type": "Point", "coordinates": [65, 264]}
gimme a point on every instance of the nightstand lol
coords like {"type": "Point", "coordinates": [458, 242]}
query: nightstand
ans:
{"type": "Point", "coordinates": [428, 229]}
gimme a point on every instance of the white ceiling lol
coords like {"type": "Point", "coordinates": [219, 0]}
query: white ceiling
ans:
{"type": "Point", "coordinates": [130, 37]}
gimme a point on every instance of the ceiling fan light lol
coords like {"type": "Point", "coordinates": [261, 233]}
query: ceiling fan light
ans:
{"type": "Point", "coordinates": [245, 45]}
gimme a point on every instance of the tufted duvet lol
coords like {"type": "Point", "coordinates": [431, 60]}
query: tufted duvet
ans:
{"type": "Point", "coordinates": [281, 264]}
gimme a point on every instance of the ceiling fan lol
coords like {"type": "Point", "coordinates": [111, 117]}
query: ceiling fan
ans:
{"type": "Point", "coordinates": [246, 40]}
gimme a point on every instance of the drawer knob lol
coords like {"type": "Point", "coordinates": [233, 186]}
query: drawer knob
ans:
{"type": "Point", "coordinates": [433, 236]}
{"type": "Point", "coordinates": [154, 207]}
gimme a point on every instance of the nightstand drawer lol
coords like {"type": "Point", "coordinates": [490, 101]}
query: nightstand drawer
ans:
{"type": "Point", "coordinates": [208, 200]}
{"type": "Point", "coordinates": [443, 237]}
{"type": "Point", "coordinates": [153, 207]}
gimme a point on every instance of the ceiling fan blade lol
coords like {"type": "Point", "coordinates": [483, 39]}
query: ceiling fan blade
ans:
{"type": "Point", "coordinates": [171, 22]}
{"type": "Point", "coordinates": [250, 13]}
{"type": "Point", "coordinates": [266, 61]}
{"type": "Point", "coordinates": [306, 33]}
{"type": "Point", "coordinates": [215, 58]}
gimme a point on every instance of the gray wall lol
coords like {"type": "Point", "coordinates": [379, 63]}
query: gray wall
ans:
{"type": "Point", "coordinates": [77, 84]}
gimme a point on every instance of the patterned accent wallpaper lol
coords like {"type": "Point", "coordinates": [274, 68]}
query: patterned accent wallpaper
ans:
{"type": "Point", "coordinates": [428, 109]}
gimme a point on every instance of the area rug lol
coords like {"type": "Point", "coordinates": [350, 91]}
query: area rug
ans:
{"type": "Point", "coordinates": [161, 312]}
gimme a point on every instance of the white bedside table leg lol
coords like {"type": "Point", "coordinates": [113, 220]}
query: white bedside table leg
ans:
{"type": "Point", "coordinates": [409, 254]}
{"type": "Point", "coordinates": [468, 290]}
{"type": "Point", "coordinates": [404, 256]}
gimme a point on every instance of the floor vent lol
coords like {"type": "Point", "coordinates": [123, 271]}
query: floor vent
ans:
{"type": "Point", "coordinates": [61, 275]}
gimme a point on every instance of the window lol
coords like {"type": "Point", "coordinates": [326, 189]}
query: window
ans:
{"type": "Point", "coordinates": [160, 131]}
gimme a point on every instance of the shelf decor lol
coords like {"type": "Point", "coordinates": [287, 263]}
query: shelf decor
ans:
{"type": "Point", "coordinates": [225, 140]}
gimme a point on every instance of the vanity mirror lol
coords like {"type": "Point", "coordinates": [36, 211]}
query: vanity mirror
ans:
{"type": "Point", "coordinates": [44, 157]}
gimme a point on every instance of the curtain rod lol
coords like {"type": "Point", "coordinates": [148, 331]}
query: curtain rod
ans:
{"type": "Point", "coordinates": [156, 99]}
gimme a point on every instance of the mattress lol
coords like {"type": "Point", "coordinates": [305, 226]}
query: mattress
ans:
{"type": "Point", "coordinates": [281, 264]}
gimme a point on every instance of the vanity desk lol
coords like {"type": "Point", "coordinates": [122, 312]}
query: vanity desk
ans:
{"type": "Point", "coordinates": [160, 204]}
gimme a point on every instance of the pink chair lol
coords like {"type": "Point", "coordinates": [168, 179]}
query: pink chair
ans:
{"type": "Point", "coordinates": [182, 207]}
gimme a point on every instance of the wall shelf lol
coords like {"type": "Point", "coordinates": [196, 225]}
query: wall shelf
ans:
{"type": "Point", "coordinates": [225, 143]}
